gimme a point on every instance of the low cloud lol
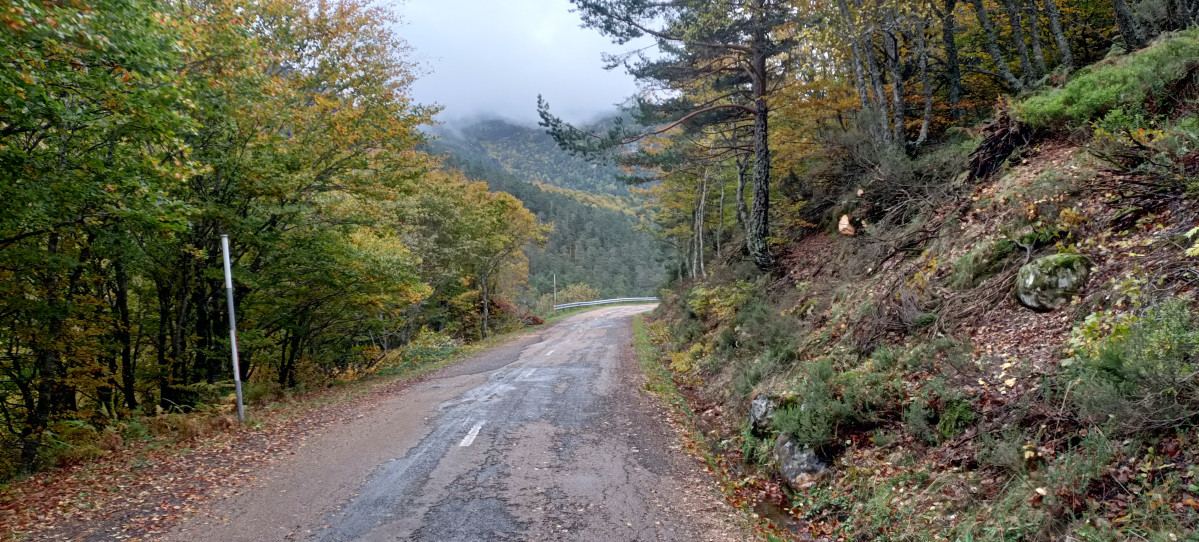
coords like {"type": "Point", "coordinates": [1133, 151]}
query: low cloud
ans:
{"type": "Point", "coordinates": [488, 58]}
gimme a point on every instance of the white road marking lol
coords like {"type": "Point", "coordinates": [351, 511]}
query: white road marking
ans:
{"type": "Point", "coordinates": [470, 437]}
{"type": "Point", "coordinates": [525, 375]}
{"type": "Point", "coordinates": [547, 354]}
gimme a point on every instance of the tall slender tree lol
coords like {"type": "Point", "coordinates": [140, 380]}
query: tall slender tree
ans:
{"type": "Point", "coordinates": [724, 50]}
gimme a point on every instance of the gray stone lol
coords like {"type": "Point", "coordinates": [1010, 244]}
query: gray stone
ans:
{"type": "Point", "coordinates": [1046, 283]}
{"type": "Point", "coordinates": [760, 411]}
{"type": "Point", "coordinates": [800, 467]}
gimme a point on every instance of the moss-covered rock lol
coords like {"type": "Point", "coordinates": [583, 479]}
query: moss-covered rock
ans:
{"type": "Point", "coordinates": [799, 466]}
{"type": "Point", "coordinates": [1046, 283]}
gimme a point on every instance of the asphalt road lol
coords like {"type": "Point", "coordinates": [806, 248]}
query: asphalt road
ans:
{"type": "Point", "coordinates": [549, 437]}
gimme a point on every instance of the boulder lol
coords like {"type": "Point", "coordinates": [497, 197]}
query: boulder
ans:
{"type": "Point", "coordinates": [1046, 283]}
{"type": "Point", "coordinates": [760, 411]}
{"type": "Point", "coordinates": [800, 467]}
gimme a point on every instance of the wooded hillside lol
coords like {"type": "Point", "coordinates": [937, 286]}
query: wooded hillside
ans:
{"type": "Point", "coordinates": [526, 153]}
{"type": "Point", "coordinates": [600, 241]}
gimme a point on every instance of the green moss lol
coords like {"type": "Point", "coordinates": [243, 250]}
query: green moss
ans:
{"type": "Point", "coordinates": [1128, 81]}
{"type": "Point", "coordinates": [981, 263]}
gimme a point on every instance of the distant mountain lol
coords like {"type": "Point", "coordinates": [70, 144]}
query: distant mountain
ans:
{"type": "Point", "coordinates": [599, 238]}
{"type": "Point", "coordinates": [525, 152]}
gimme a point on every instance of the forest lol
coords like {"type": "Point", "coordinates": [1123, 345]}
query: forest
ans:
{"type": "Point", "coordinates": [134, 133]}
{"type": "Point", "coordinates": [601, 243]}
{"type": "Point", "coordinates": [935, 260]}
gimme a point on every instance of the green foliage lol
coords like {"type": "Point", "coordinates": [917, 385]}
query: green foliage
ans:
{"type": "Point", "coordinates": [917, 421]}
{"type": "Point", "coordinates": [719, 303]}
{"type": "Point", "coordinates": [526, 153]}
{"type": "Point", "coordinates": [1140, 378]}
{"type": "Point", "coordinates": [884, 358]}
{"type": "Point", "coordinates": [607, 249]}
{"type": "Point", "coordinates": [757, 331]}
{"type": "Point", "coordinates": [955, 418]}
{"type": "Point", "coordinates": [686, 331]}
{"type": "Point", "coordinates": [1025, 508]}
{"type": "Point", "coordinates": [828, 401]}
{"type": "Point", "coordinates": [755, 450]}
{"type": "Point", "coordinates": [1003, 451]}
{"type": "Point", "coordinates": [1100, 90]}
{"type": "Point", "coordinates": [134, 133]}
{"type": "Point", "coordinates": [430, 346]}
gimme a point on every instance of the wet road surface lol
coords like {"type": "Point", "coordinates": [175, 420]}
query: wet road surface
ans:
{"type": "Point", "coordinates": [549, 437]}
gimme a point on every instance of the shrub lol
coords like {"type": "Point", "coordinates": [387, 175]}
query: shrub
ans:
{"type": "Point", "coordinates": [772, 361]}
{"type": "Point", "coordinates": [884, 358]}
{"type": "Point", "coordinates": [955, 418]}
{"type": "Point", "coordinates": [686, 331]}
{"type": "Point", "coordinates": [756, 451]}
{"type": "Point", "coordinates": [263, 391]}
{"type": "Point", "coordinates": [1004, 451]}
{"type": "Point", "coordinates": [1142, 376]}
{"type": "Point", "coordinates": [916, 421]}
{"type": "Point", "coordinates": [132, 429]}
{"type": "Point", "coordinates": [828, 402]}
{"type": "Point", "coordinates": [429, 346]}
{"type": "Point", "coordinates": [70, 442]}
{"type": "Point", "coordinates": [719, 303]}
{"type": "Point", "coordinates": [1128, 81]}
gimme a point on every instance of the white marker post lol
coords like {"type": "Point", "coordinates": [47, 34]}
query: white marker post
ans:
{"type": "Point", "coordinates": [555, 293]}
{"type": "Point", "coordinates": [241, 412]}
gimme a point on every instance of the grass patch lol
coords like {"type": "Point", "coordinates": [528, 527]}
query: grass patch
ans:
{"type": "Point", "coordinates": [1131, 80]}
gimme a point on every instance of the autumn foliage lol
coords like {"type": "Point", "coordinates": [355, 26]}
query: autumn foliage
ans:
{"type": "Point", "coordinates": [134, 133]}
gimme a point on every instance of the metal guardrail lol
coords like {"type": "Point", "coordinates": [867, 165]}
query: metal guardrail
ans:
{"type": "Point", "coordinates": [604, 302]}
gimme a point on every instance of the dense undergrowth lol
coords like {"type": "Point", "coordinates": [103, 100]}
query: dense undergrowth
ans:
{"type": "Point", "coordinates": [946, 410]}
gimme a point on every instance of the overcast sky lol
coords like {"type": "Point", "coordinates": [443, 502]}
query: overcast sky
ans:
{"type": "Point", "coordinates": [493, 57]}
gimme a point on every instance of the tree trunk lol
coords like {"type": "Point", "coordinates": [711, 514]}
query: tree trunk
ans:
{"type": "Point", "coordinates": [486, 311]}
{"type": "Point", "coordinates": [895, 72]}
{"type": "Point", "coordinates": [701, 217]}
{"type": "Point", "coordinates": [953, 70]}
{"type": "Point", "coordinates": [878, 95]}
{"type": "Point", "coordinates": [855, 46]}
{"type": "Point", "coordinates": [759, 216]}
{"type": "Point", "coordinates": [124, 336]}
{"type": "Point", "coordinates": [47, 367]}
{"type": "Point", "coordinates": [992, 44]}
{"type": "Point", "coordinates": [1034, 23]}
{"type": "Point", "coordinates": [742, 207]}
{"type": "Point", "coordinates": [1130, 29]}
{"type": "Point", "coordinates": [165, 393]}
{"type": "Point", "coordinates": [925, 82]}
{"type": "Point", "coordinates": [720, 228]}
{"type": "Point", "coordinates": [1066, 60]}
{"type": "Point", "coordinates": [1026, 71]}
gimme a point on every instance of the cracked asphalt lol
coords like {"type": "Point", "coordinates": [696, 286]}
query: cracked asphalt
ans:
{"type": "Point", "coordinates": [549, 437]}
